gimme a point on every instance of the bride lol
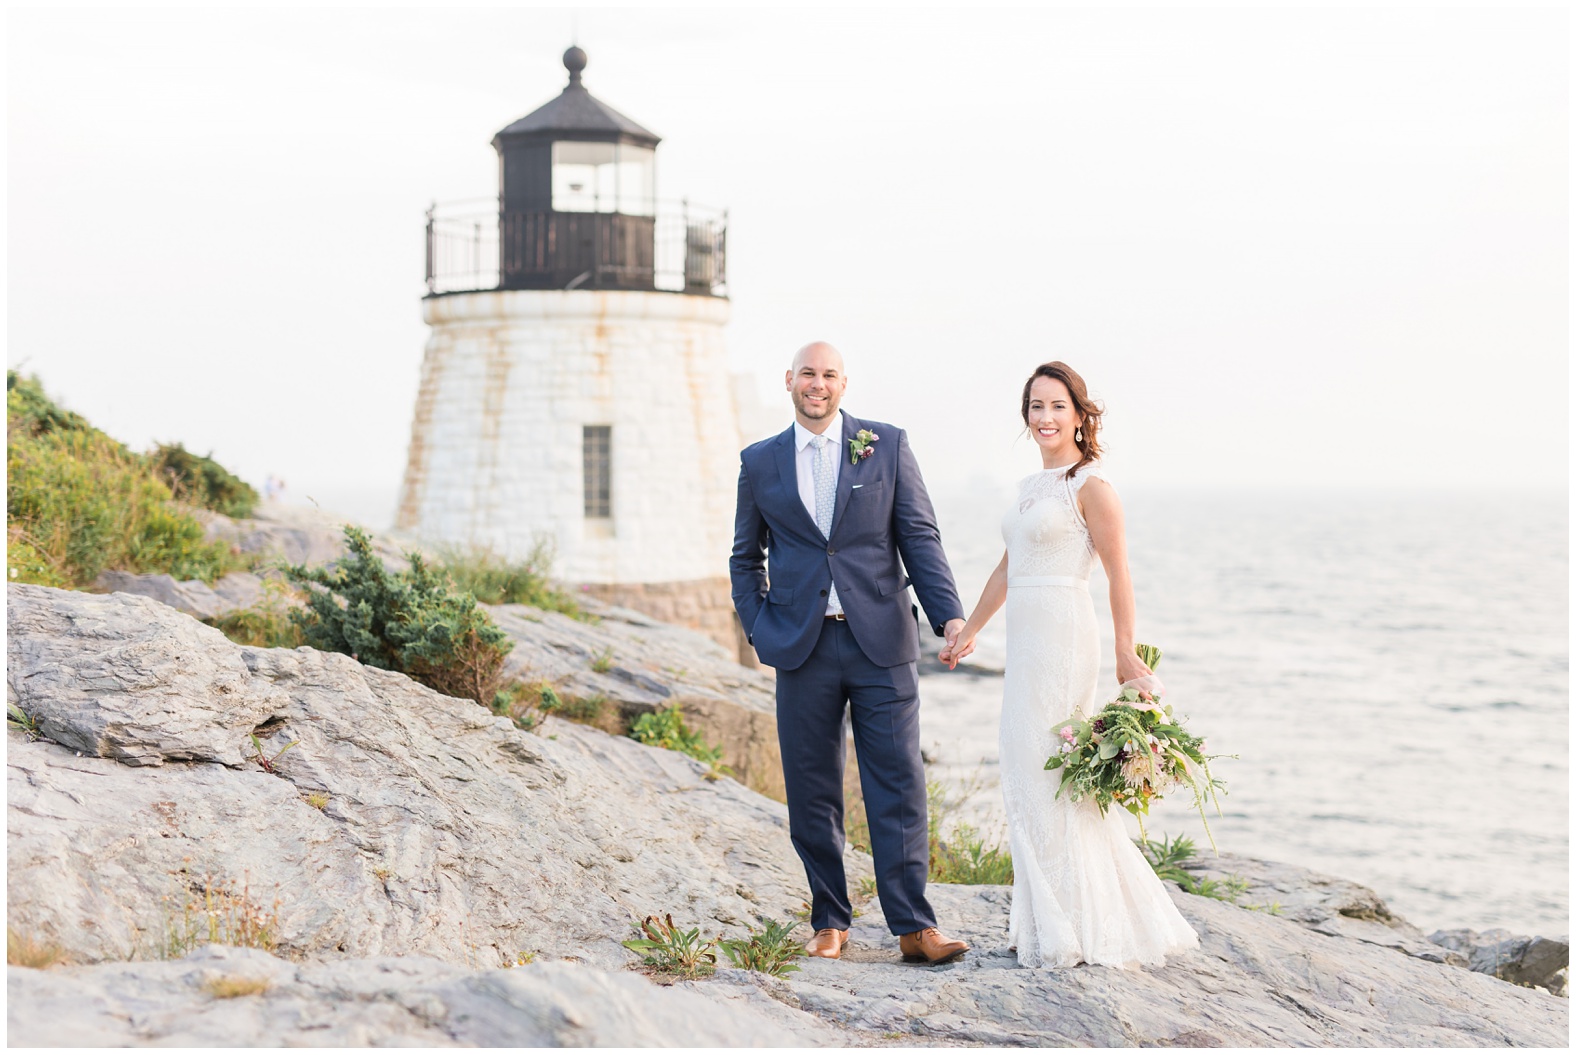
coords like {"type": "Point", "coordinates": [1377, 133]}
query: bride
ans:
{"type": "Point", "coordinates": [1082, 892]}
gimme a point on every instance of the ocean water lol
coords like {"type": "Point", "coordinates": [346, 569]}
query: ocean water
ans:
{"type": "Point", "coordinates": [1392, 670]}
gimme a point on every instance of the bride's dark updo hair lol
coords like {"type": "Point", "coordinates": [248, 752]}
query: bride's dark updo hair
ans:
{"type": "Point", "coordinates": [1089, 446]}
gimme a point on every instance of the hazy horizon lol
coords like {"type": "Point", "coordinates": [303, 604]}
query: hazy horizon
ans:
{"type": "Point", "coordinates": [1288, 248]}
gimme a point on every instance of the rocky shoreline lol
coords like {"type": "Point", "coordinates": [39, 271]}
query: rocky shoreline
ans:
{"type": "Point", "coordinates": [410, 845]}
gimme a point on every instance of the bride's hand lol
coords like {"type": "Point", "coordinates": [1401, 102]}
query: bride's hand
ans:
{"type": "Point", "coordinates": [1130, 668]}
{"type": "Point", "coordinates": [950, 654]}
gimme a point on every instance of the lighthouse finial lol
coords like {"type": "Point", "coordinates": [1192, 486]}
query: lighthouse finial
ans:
{"type": "Point", "coordinates": [574, 62]}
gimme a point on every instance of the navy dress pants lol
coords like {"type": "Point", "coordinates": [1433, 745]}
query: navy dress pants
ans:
{"type": "Point", "coordinates": [883, 705]}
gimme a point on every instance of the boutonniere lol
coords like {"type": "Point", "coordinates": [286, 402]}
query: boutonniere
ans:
{"type": "Point", "coordinates": [859, 448]}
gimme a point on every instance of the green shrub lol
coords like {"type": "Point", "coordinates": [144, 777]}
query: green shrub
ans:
{"type": "Point", "coordinates": [410, 621]}
{"type": "Point", "coordinates": [201, 481]}
{"type": "Point", "coordinates": [78, 502]}
{"type": "Point", "coordinates": [493, 580]}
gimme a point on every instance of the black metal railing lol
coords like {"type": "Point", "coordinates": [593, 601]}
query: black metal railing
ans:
{"type": "Point", "coordinates": [680, 249]}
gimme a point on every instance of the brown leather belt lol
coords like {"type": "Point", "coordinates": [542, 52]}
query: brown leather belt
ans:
{"type": "Point", "coordinates": [840, 617]}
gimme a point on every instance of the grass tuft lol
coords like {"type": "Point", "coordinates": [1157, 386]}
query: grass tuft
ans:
{"type": "Point", "coordinates": [23, 950]}
{"type": "Point", "coordinates": [229, 986]}
{"type": "Point", "coordinates": [218, 914]}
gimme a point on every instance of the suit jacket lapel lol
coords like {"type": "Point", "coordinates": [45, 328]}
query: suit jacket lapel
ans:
{"type": "Point", "coordinates": [788, 471]}
{"type": "Point", "coordinates": [845, 473]}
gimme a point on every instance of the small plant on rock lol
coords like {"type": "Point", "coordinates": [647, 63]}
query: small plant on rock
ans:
{"type": "Point", "coordinates": [21, 720]}
{"type": "Point", "coordinates": [261, 757]}
{"type": "Point", "coordinates": [602, 662]}
{"type": "Point", "coordinates": [666, 947]}
{"type": "Point", "coordinates": [770, 950]}
{"type": "Point", "coordinates": [666, 728]}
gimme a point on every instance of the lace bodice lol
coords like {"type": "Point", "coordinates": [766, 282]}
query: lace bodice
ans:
{"type": "Point", "coordinates": [1044, 532]}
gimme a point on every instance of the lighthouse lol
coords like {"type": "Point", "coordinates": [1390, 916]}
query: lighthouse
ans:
{"type": "Point", "coordinates": [575, 383]}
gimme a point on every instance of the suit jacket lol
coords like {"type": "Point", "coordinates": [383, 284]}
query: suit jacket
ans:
{"type": "Point", "coordinates": [782, 566]}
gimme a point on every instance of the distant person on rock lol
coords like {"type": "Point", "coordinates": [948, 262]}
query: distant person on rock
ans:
{"type": "Point", "coordinates": [826, 510]}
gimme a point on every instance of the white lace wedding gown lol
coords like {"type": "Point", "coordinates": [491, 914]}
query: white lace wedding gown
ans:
{"type": "Point", "coordinates": [1082, 892]}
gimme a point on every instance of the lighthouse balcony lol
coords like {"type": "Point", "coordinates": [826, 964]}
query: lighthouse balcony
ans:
{"type": "Point", "coordinates": [678, 247]}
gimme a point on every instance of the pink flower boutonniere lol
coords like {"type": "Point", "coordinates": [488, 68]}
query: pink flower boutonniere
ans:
{"type": "Point", "coordinates": [859, 447]}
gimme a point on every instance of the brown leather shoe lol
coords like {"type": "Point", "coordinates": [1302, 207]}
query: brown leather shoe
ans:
{"type": "Point", "coordinates": [828, 942]}
{"type": "Point", "coordinates": [931, 946]}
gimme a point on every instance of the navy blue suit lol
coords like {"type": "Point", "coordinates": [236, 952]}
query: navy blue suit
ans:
{"type": "Point", "coordinates": [782, 568]}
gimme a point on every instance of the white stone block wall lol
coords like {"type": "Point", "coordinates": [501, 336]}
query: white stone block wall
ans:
{"type": "Point", "coordinates": [508, 382]}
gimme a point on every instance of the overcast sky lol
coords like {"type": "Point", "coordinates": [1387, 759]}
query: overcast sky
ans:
{"type": "Point", "coordinates": [1293, 247]}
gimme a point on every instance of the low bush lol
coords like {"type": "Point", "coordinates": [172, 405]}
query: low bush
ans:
{"type": "Point", "coordinates": [79, 502]}
{"type": "Point", "coordinates": [200, 481]}
{"type": "Point", "coordinates": [412, 621]}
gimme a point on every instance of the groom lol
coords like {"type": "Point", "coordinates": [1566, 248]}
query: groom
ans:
{"type": "Point", "coordinates": [833, 502]}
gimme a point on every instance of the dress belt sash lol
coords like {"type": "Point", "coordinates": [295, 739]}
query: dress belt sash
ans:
{"type": "Point", "coordinates": [1045, 580]}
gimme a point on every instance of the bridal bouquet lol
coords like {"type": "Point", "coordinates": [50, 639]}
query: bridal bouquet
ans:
{"type": "Point", "coordinates": [1132, 753]}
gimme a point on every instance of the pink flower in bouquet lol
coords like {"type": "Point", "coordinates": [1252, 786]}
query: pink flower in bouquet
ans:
{"type": "Point", "coordinates": [1068, 734]}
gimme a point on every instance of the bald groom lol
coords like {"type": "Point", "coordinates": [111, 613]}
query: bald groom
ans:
{"type": "Point", "coordinates": [832, 513]}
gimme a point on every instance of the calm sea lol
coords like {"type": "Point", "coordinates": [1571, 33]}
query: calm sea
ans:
{"type": "Point", "coordinates": [1393, 671]}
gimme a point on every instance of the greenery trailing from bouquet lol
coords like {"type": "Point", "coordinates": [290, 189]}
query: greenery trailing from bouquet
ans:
{"type": "Point", "coordinates": [1132, 753]}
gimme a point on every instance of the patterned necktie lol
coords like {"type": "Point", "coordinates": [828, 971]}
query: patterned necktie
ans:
{"type": "Point", "coordinates": [825, 476]}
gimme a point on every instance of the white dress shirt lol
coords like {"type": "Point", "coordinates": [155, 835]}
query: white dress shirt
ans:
{"type": "Point", "coordinates": [804, 466]}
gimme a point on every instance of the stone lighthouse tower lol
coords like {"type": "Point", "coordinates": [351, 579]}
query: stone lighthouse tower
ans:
{"type": "Point", "coordinates": [575, 385]}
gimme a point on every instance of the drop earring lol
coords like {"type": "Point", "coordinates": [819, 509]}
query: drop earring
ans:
{"type": "Point", "coordinates": [1078, 434]}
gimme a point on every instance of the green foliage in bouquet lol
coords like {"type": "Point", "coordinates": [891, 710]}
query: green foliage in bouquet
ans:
{"type": "Point", "coordinates": [666, 947]}
{"type": "Point", "coordinates": [201, 481]}
{"type": "Point", "coordinates": [410, 621]}
{"type": "Point", "coordinates": [770, 950]}
{"type": "Point", "coordinates": [1132, 753]}
{"type": "Point", "coordinates": [79, 502]}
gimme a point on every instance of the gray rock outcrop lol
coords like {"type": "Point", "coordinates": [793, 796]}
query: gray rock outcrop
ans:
{"type": "Point", "coordinates": [443, 829]}
{"type": "Point", "coordinates": [1514, 957]}
{"type": "Point", "coordinates": [390, 1001]}
{"type": "Point", "coordinates": [448, 842]}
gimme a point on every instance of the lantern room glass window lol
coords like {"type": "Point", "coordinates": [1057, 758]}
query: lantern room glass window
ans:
{"type": "Point", "coordinates": [604, 177]}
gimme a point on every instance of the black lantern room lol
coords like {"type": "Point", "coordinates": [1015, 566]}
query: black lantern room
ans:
{"type": "Point", "coordinates": [577, 195]}
{"type": "Point", "coordinates": [577, 209]}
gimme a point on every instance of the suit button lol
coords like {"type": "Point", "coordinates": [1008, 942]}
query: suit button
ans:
{"type": "Point", "coordinates": [823, 593]}
{"type": "Point", "coordinates": [831, 553]}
